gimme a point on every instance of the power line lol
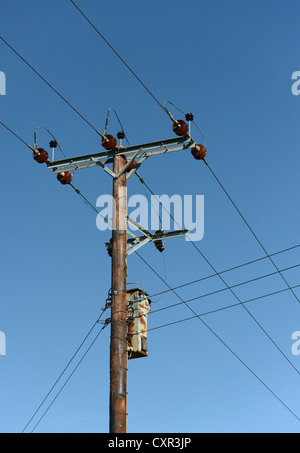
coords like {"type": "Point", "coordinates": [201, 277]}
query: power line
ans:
{"type": "Point", "coordinates": [228, 287]}
{"type": "Point", "coordinates": [17, 136]}
{"type": "Point", "coordinates": [231, 351]}
{"type": "Point", "coordinates": [61, 389]}
{"type": "Point", "coordinates": [88, 203]}
{"type": "Point", "coordinates": [64, 370]}
{"type": "Point", "coordinates": [225, 289]}
{"type": "Point", "coordinates": [225, 283]}
{"type": "Point", "coordinates": [51, 135]}
{"type": "Point", "coordinates": [220, 309]}
{"type": "Point", "coordinates": [120, 58]}
{"type": "Point", "coordinates": [240, 303]}
{"type": "Point", "coordinates": [229, 270]}
{"type": "Point", "coordinates": [250, 229]}
{"type": "Point", "coordinates": [195, 315]}
{"type": "Point", "coordinates": [51, 86]}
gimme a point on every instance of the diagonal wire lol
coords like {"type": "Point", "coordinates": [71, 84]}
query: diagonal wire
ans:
{"type": "Point", "coordinates": [229, 270]}
{"type": "Point", "coordinates": [195, 315]}
{"type": "Point", "coordinates": [224, 289]}
{"type": "Point", "coordinates": [250, 229]}
{"type": "Point", "coordinates": [63, 372]}
{"type": "Point", "coordinates": [228, 287]}
{"type": "Point", "coordinates": [226, 345]}
{"type": "Point", "coordinates": [61, 389]}
{"type": "Point", "coordinates": [51, 86]}
{"type": "Point", "coordinates": [120, 58]}
{"type": "Point", "coordinates": [17, 136]}
{"type": "Point", "coordinates": [220, 309]}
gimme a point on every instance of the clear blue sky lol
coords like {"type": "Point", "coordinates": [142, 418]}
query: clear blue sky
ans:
{"type": "Point", "coordinates": [230, 64]}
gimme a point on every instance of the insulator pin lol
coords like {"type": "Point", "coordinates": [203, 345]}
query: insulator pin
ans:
{"type": "Point", "coordinates": [189, 117]}
{"type": "Point", "coordinates": [53, 144]}
{"type": "Point", "coordinates": [64, 177]}
{"type": "Point", "coordinates": [199, 152]}
{"type": "Point", "coordinates": [41, 156]}
{"type": "Point", "coordinates": [110, 144]}
{"type": "Point", "coordinates": [121, 135]}
{"type": "Point", "coordinates": [180, 128]}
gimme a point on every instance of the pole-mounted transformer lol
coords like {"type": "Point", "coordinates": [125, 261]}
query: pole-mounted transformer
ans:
{"type": "Point", "coordinates": [138, 307]}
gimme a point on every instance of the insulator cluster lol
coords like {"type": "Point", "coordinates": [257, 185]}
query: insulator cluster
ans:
{"type": "Point", "coordinates": [41, 156]}
{"type": "Point", "coordinates": [181, 128]}
{"type": "Point", "coordinates": [159, 243]}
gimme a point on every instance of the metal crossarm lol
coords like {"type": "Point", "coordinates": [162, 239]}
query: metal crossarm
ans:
{"type": "Point", "coordinates": [104, 158]}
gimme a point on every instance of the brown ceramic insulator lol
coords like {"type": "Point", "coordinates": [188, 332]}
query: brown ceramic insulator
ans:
{"type": "Point", "coordinates": [64, 177]}
{"type": "Point", "coordinates": [41, 156]}
{"type": "Point", "coordinates": [110, 144]}
{"type": "Point", "coordinates": [131, 166]}
{"type": "Point", "coordinates": [180, 128]}
{"type": "Point", "coordinates": [199, 153]}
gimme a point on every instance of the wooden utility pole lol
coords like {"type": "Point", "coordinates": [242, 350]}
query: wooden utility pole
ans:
{"type": "Point", "coordinates": [124, 166]}
{"type": "Point", "coordinates": [118, 342]}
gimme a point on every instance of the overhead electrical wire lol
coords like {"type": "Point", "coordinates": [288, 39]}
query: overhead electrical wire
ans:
{"type": "Point", "coordinates": [250, 229]}
{"type": "Point", "coordinates": [216, 310]}
{"type": "Point", "coordinates": [51, 135]}
{"type": "Point", "coordinates": [237, 209]}
{"type": "Point", "coordinates": [173, 219]}
{"type": "Point", "coordinates": [92, 207]}
{"type": "Point", "coordinates": [240, 303]}
{"type": "Point", "coordinates": [231, 351]}
{"type": "Point", "coordinates": [65, 369]}
{"type": "Point", "coordinates": [17, 136]}
{"type": "Point", "coordinates": [61, 389]}
{"type": "Point", "coordinates": [122, 60]}
{"type": "Point", "coordinates": [86, 201]}
{"type": "Point", "coordinates": [119, 121]}
{"type": "Point", "coordinates": [229, 270]}
{"type": "Point", "coordinates": [194, 313]}
{"type": "Point", "coordinates": [217, 291]}
{"type": "Point", "coordinates": [228, 287]}
{"type": "Point", "coordinates": [226, 284]}
{"type": "Point", "coordinates": [52, 87]}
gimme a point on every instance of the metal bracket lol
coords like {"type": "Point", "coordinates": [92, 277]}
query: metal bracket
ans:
{"type": "Point", "coordinates": [135, 242]}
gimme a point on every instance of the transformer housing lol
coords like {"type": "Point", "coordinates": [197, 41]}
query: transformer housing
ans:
{"type": "Point", "coordinates": [138, 307]}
